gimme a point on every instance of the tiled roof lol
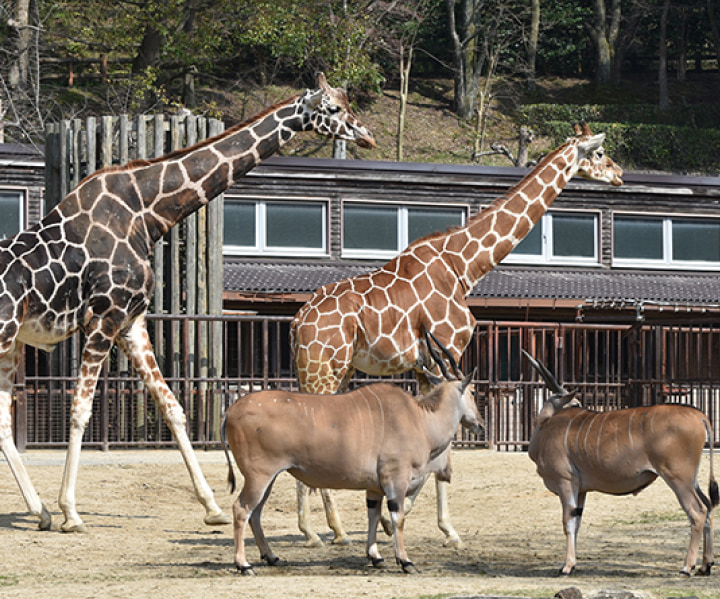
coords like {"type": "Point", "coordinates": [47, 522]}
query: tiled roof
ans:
{"type": "Point", "coordinates": [512, 282]}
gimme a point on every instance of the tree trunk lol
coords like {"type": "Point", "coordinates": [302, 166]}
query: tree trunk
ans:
{"type": "Point", "coordinates": [532, 44]}
{"type": "Point", "coordinates": [712, 9]}
{"type": "Point", "coordinates": [18, 74]}
{"type": "Point", "coordinates": [604, 30]}
{"type": "Point", "coordinates": [149, 52]}
{"type": "Point", "coordinates": [467, 65]}
{"type": "Point", "coordinates": [405, 66]}
{"type": "Point", "coordinates": [664, 102]}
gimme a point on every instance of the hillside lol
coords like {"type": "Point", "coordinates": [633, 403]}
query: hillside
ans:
{"type": "Point", "coordinates": [685, 139]}
{"type": "Point", "coordinates": [434, 134]}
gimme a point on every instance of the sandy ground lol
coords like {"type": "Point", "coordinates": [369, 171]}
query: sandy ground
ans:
{"type": "Point", "coordinates": [146, 537]}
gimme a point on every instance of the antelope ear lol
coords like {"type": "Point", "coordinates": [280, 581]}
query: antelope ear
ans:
{"type": "Point", "coordinates": [433, 379]}
{"type": "Point", "coordinates": [592, 144]}
{"type": "Point", "coordinates": [467, 380]}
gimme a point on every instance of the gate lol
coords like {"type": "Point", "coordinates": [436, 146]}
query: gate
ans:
{"type": "Point", "coordinates": [610, 367]}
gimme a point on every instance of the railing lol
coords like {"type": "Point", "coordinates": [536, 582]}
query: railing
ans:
{"type": "Point", "coordinates": [209, 362]}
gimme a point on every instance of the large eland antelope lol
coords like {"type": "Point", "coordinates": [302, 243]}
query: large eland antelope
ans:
{"type": "Point", "coordinates": [619, 453]}
{"type": "Point", "coordinates": [377, 438]}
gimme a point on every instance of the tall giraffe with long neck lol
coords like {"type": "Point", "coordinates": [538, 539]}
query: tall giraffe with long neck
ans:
{"type": "Point", "coordinates": [373, 322]}
{"type": "Point", "coordinates": [86, 267]}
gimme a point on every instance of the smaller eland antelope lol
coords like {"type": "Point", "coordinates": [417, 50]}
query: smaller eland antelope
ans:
{"type": "Point", "coordinates": [376, 438]}
{"type": "Point", "coordinates": [622, 452]}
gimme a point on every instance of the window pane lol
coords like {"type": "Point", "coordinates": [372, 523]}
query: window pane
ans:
{"type": "Point", "coordinates": [9, 214]}
{"type": "Point", "coordinates": [370, 227]}
{"type": "Point", "coordinates": [532, 244]}
{"type": "Point", "coordinates": [573, 235]}
{"type": "Point", "coordinates": [239, 223]}
{"type": "Point", "coordinates": [696, 240]}
{"type": "Point", "coordinates": [638, 238]}
{"type": "Point", "coordinates": [422, 221]}
{"type": "Point", "coordinates": [294, 225]}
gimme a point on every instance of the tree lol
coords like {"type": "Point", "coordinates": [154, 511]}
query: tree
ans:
{"type": "Point", "coordinates": [485, 35]}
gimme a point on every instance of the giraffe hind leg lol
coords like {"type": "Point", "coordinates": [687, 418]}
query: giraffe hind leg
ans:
{"type": "Point", "coordinates": [8, 365]}
{"type": "Point", "coordinates": [135, 342]}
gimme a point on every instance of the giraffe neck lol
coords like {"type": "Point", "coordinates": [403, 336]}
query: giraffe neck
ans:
{"type": "Point", "coordinates": [480, 245]}
{"type": "Point", "coordinates": [163, 191]}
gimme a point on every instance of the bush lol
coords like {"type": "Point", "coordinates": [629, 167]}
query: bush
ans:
{"type": "Point", "coordinates": [649, 146]}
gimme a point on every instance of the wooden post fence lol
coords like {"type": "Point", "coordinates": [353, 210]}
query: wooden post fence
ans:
{"type": "Point", "coordinates": [188, 260]}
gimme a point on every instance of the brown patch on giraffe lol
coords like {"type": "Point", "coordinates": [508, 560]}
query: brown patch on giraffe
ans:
{"type": "Point", "coordinates": [217, 181]}
{"type": "Point", "coordinates": [173, 178]}
{"type": "Point", "coordinates": [501, 250]}
{"type": "Point", "coordinates": [504, 223]}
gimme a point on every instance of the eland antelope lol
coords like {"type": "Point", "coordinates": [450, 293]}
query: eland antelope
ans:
{"type": "Point", "coordinates": [622, 452]}
{"type": "Point", "coordinates": [376, 438]}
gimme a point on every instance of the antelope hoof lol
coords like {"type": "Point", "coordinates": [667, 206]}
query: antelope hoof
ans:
{"type": "Point", "coordinates": [246, 570]}
{"type": "Point", "coordinates": [408, 567]}
{"type": "Point", "coordinates": [377, 562]}
{"type": "Point", "coordinates": [271, 560]}
{"type": "Point", "coordinates": [564, 573]}
{"type": "Point", "coordinates": [218, 519]}
{"type": "Point", "coordinates": [45, 519]}
{"type": "Point", "coordinates": [705, 570]}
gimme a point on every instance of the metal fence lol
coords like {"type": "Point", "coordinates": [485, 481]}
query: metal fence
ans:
{"type": "Point", "coordinates": [210, 361]}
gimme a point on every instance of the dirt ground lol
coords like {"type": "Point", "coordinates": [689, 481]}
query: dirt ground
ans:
{"type": "Point", "coordinates": [146, 537]}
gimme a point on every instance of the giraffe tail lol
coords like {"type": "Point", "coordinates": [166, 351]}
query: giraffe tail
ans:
{"type": "Point", "coordinates": [231, 473]}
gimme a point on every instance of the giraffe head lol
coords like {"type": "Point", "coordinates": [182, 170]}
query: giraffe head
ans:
{"type": "Point", "coordinates": [592, 162]}
{"type": "Point", "coordinates": [328, 112]}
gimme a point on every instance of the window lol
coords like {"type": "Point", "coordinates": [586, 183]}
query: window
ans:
{"type": "Point", "coordinates": [382, 230]}
{"type": "Point", "coordinates": [275, 227]}
{"type": "Point", "coordinates": [669, 241]}
{"type": "Point", "coordinates": [12, 210]}
{"type": "Point", "coordinates": [560, 237]}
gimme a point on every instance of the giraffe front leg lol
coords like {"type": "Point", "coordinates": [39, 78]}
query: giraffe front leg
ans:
{"type": "Point", "coordinates": [8, 365]}
{"type": "Point", "coordinates": [79, 418]}
{"type": "Point", "coordinates": [333, 518]}
{"type": "Point", "coordinates": [135, 342]}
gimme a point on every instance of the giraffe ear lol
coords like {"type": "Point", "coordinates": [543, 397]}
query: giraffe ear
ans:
{"type": "Point", "coordinates": [591, 145]}
{"type": "Point", "coordinates": [313, 98]}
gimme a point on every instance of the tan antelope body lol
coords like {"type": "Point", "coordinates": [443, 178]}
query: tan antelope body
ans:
{"type": "Point", "coordinates": [376, 438]}
{"type": "Point", "coordinates": [622, 452]}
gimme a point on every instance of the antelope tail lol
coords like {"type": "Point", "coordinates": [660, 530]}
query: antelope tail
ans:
{"type": "Point", "coordinates": [231, 472]}
{"type": "Point", "coordinates": [714, 493]}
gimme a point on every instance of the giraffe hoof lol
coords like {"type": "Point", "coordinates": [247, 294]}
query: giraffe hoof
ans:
{"type": "Point", "coordinates": [341, 540]}
{"type": "Point", "coordinates": [453, 542]}
{"type": "Point", "coordinates": [77, 527]}
{"type": "Point", "coordinates": [45, 520]}
{"type": "Point", "coordinates": [218, 519]}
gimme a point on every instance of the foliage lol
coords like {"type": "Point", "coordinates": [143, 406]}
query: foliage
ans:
{"type": "Point", "coordinates": [649, 146]}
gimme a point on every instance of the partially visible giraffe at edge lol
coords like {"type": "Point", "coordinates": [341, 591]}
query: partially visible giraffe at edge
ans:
{"type": "Point", "coordinates": [86, 267]}
{"type": "Point", "coordinates": [373, 322]}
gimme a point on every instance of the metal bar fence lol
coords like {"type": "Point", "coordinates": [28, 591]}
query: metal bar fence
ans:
{"type": "Point", "coordinates": [610, 367]}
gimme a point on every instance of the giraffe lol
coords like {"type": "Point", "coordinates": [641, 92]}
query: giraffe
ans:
{"type": "Point", "coordinates": [372, 322]}
{"type": "Point", "coordinates": [85, 267]}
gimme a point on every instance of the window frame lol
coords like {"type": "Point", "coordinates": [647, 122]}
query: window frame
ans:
{"type": "Point", "coordinates": [261, 248]}
{"type": "Point", "coordinates": [667, 262]}
{"type": "Point", "coordinates": [22, 193]}
{"type": "Point", "coordinates": [546, 256]}
{"type": "Point", "coordinates": [401, 223]}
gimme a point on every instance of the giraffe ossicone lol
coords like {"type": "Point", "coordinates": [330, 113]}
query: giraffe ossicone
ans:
{"type": "Point", "coordinates": [85, 267]}
{"type": "Point", "coordinates": [373, 322]}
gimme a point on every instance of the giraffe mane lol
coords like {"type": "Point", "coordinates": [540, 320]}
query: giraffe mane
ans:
{"type": "Point", "coordinates": [437, 234]}
{"type": "Point", "coordinates": [142, 162]}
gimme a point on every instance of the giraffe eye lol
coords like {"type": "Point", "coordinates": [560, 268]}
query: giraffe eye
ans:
{"type": "Point", "coordinates": [333, 109]}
